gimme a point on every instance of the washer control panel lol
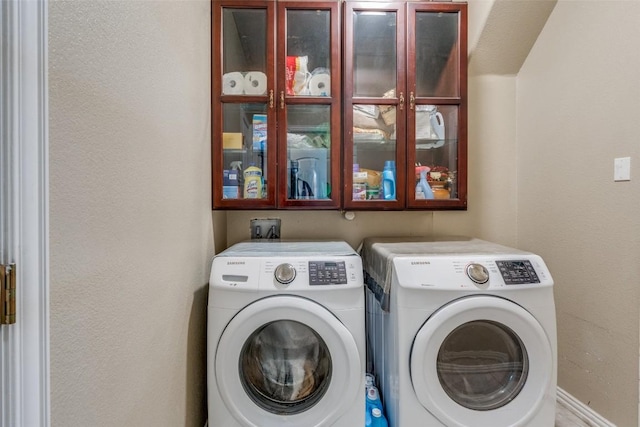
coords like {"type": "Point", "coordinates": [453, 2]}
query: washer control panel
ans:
{"type": "Point", "coordinates": [517, 272]}
{"type": "Point", "coordinates": [327, 273]}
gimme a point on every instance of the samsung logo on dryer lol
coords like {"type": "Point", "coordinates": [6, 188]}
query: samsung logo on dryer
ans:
{"type": "Point", "coordinates": [235, 262]}
{"type": "Point", "coordinates": [420, 262]}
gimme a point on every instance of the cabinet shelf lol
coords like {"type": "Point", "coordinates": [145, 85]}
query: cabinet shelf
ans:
{"type": "Point", "coordinates": [375, 143]}
{"type": "Point", "coordinates": [429, 144]}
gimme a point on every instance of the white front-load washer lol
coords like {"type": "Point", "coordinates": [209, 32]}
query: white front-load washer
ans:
{"type": "Point", "coordinates": [464, 332]}
{"type": "Point", "coordinates": [286, 336]}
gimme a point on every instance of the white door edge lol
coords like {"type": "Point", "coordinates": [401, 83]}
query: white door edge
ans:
{"type": "Point", "coordinates": [24, 217]}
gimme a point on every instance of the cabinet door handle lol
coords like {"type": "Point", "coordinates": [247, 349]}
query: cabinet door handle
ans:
{"type": "Point", "coordinates": [271, 99]}
{"type": "Point", "coordinates": [412, 100]}
{"type": "Point", "coordinates": [282, 100]}
{"type": "Point", "coordinates": [401, 100]}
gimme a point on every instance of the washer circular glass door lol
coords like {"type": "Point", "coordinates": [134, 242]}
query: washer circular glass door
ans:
{"type": "Point", "coordinates": [287, 359]}
{"type": "Point", "coordinates": [479, 360]}
{"type": "Point", "coordinates": [285, 367]}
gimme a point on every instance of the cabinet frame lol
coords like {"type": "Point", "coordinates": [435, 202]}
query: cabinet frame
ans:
{"type": "Point", "coordinates": [219, 99]}
{"type": "Point", "coordinates": [277, 102]}
{"type": "Point", "coordinates": [406, 156]}
{"type": "Point", "coordinates": [341, 104]}
{"type": "Point", "coordinates": [333, 101]}
{"type": "Point", "coordinates": [349, 100]}
{"type": "Point", "coordinates": [460, 202]}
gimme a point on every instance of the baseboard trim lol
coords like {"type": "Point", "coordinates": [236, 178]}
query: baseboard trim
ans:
{"type": "Point", "coordinates": [581, 410]}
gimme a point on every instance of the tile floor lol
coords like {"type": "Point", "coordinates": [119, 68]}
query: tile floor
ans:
{"type": "Point", "coordinates": [565, 418]}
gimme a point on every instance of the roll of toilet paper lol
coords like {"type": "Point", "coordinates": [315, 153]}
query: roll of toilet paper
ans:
{"type": "Point", "coordinates": [255, 83]}
{"type": "Point", "coordinates": [233, 83]}
{"type": "Point", "coordinates": [320, 85]}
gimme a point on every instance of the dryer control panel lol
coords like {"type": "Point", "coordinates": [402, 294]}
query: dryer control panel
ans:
{"type": "Point", "coordinates": [517, 272]}
{"type": "Point", "coordinates": [474, 272]}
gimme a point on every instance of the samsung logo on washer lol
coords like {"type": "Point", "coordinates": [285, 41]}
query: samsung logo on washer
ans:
{"type": "Point", "coordinates": [235, 262]}
{"type": "Point", "coordinates": [420, 262]}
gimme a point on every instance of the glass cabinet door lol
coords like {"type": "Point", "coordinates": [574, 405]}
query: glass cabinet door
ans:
{"type": "Point", "coordinates": [374, 102]}
{"type": "Point", "coordinates": [244, 51]}
{"type": "Point", "coordinates": [437, 107]}
{"type": "Point", "coordinates": [244, 174]}
{"type": "Point", "coordinates": [245, 152]}
{"type": "Point", "coordinates": [309, 105]}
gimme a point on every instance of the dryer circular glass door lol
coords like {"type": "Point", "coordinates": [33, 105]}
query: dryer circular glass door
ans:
{"type": "Point", "coordinates": [481, 360]}
{"type": "Point", "coordinates": [287, 359]}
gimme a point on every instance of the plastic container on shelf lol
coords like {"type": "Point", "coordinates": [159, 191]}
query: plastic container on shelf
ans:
{"type": "Point", "coordinates": [423, 189]}
{"type": "Point", "coordinates": [359, 183]}
{"type": "Point", "coordinates": [307, 178]}
{"type": "Point", "coordinates": [293, 180]}
{"type": "Point", "coordinates": [252, 182]}
{"type": "Point", "coordinates": [388, 182]}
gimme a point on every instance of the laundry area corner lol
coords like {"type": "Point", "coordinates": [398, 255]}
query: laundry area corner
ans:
{"type": "Point", "coordinates": [132, 230]}
{"type": "Point", "coordinates": [440, 331]}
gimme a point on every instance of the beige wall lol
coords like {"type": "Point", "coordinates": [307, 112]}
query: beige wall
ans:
{"type": "Point", "coordinates": [578, 103]}
{"type": "Point", "coordinates": [131, 232]}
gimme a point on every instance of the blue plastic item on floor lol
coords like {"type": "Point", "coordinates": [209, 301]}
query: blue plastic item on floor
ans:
{"type": "Point", "coordinates": [378, 419]}
{"type": "Point", "coordinates": [373, 399]}
{"type": "Point", "coordinates": [374, 416]}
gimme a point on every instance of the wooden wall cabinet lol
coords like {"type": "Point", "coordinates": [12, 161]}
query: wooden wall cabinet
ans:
{"type": "Point", "coordinates": [312, 99]}
{"type": "Point", "coordinates": [405, 105]}
{"type": "Point", "coordinates": [276, 104]}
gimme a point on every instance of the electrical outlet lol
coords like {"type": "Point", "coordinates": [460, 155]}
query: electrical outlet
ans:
{"type": "Point", "coordinates": [265, 228]}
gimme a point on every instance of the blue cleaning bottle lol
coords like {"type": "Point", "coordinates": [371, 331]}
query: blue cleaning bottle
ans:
{"type": "Point", "coordinates": [378, 419]}
{"type": "Point", "coordinates": [388, 181]}
{"type": "Point", "coordinates": [424, 187]}
{"type": "Point", "coordinates": [373, 399]}
{"type": "Point", "coordinates": [368, 419]}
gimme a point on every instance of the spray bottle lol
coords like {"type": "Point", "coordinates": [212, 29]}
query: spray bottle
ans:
{"type": "Point", "coordinates": [423, 189]}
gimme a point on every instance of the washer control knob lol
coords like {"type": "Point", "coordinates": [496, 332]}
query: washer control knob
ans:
{"type": "Point", "coordinates": [478, 273]}
{"type": "Point", "coordinates": [285, 273]}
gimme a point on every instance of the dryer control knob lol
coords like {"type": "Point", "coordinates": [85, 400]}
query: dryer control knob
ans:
{"type": "Point", "coordinates": [285, 273]}
{"type": "Point", "coordinates": [478, 273]}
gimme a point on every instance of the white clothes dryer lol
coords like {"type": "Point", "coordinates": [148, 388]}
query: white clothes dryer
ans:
{"type": "Point", "coordinates": [286, 336]}
{"type": "Point", "coordinates": [463, 332]}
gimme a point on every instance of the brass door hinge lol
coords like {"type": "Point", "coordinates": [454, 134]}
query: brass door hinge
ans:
{"type": "Point", "coordinates": [7, 294]}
